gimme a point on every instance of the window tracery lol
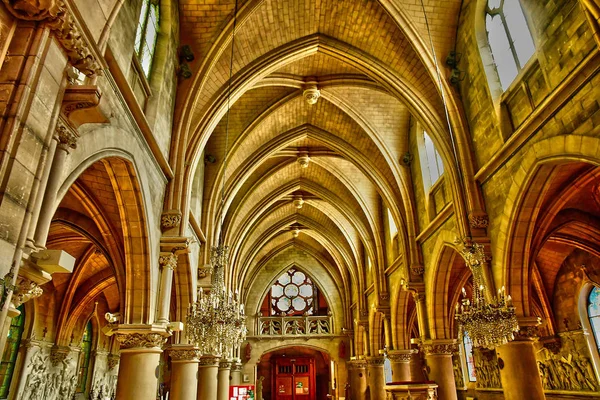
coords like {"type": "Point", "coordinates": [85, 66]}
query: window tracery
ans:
{"type": "Point", "coordinates": [293, 294]}
{"type": "Point", "coordinates": [509, 37]}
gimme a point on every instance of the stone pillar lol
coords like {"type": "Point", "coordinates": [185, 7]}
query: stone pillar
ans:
{"type": "Point", "coordinates": [67, 139]}
{"type": "Point", "coordinates": [376, 377]}
{"type": "Point", "coordinates": [236, 372]}
{"type": "Point", "coordinates": [416, 368]}
{"type": "Point", "coordinates": [421, 315]}
{"type": "Point", "coordinates": [168, 263]}
{"type": "Point", "coordinates": [208, 378]}
{"type": "Point", "coordinates": [438, 356]}
{"type": "Point", "coordinates": [184, 372]}
{"type": "Point", "coordinates": [223, 379]}
{"type": "Point", "coordinates": [357, 377]}
{"type": "Point", "coordinates": [400, 361]}
{"type": "Point", "coordinates": [140, 356]}
{"type": "Point", "coordinates": [518, 367]}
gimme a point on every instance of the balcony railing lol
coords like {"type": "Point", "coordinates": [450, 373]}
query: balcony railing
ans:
{"type": "Point", "coordinates": [295, 326]}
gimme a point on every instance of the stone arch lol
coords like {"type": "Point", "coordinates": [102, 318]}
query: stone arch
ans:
{"type": "Point", "coordinates": [510, 262]}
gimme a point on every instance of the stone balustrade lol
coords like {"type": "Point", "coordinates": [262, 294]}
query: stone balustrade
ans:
{"type": "Point", "coordinates": [295, 326]}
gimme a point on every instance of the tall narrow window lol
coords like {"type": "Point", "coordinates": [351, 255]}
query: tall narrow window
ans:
{"type": "Point", "coordinates": [392, 224]}
{"type": "Point", "coordinates": [86, 350]}
{"type": "Point", "coordinates": [594, 314]}
{"type": "Point", "coordinates": [293, 294]}
{"type": "Point", "coordinates": [468, 347]}
{"type": "Point", "coordinates": [11, 350]}
{"type": "Point", "coordinates": [431, 161]}
{"type": "Point", "coordinates": [509, 38]}
{"type": "Point", "coordinates": [147, 32]}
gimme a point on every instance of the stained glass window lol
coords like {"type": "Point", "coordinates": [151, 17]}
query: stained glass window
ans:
{"type": "Point", "coordinates": [293, 294]}
{"type": "Point", "coordinates": [147, 32]}
{"type": "Point", "coordinates": [594, 314]}
{"type": "Point", "coordinates": [509, 37]}
{"type": "Point", "coordinates": [11, 350]}
{"type": "Point", "coordinates": [86, 350]}
{"type": "Point", "coordinates": [468, 346]}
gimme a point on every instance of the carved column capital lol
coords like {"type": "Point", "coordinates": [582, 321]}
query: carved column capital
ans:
{"type": "Point", "coordinates": [140, 340]}
{"type": "Point", "coordinates": [236, 366]}
{"type": "Point", "coordinates": [375, 361]}
{"type": "Point", "coordinates": [417, 269]}
{"type": "Point", "coordinates": [209, 361]}
{"type": "Point", "coordinates": [170, 219]}
{"type": "Point", "coordinates": [401, 355]}
{"type": "Point", "coordinates": [528, 329]}
{"type": "Point", "coordinates": [225, 364]}
{"type": "Point", "coordinates": [440, 347]}
{"type": "Point", "coordinates": [479, 220]}
{"type": "Point", "coordinates": [356, 364]}
{"type": "Point", "coordinates": [66, 136]}
{"type": "Point", "coordinates": [185, 353]}
{"type": "Point", "coordinates": [168, 260]}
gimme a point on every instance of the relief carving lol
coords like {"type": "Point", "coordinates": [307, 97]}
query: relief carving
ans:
{"type": "Point", "coordinates": [486, 366]}
{"type": "Point", "coordinates": [458, 373]}
{"type": "Point", "coordinates": [25, 291]}
{"type": "Point", "coordinates": [47, 382]}
{"type": "Point", "coordinates": [112, 361]}
{"type": "Point", "coordinates": [168, 260]}
{"type": "Point", "coordinates": [170, 220]}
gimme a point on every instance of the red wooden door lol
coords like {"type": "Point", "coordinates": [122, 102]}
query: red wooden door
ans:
{"type": "Point", "coordinates": [294, 379]}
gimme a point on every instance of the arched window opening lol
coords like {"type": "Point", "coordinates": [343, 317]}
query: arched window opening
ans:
{"type": "Point", "coordinates": [11, 350]}
{"type": "Point", "coordinates": [594, 314]}
{"type": "Point", "coordinates": [432, 166]}
{"type": "Point", "coordinates": [392, 225]}
{"type": "Point", "coordinates": [84, 362]}
{"type": "Point", "coordinates": [387, 370]}
{"type": "Point", "coordinates": [509, 38]}
{"type": "Point", "coordinates": [469, 358]}
{"type": "Point", "coordinates": [146, 35]}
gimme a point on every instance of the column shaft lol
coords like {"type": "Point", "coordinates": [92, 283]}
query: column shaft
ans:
{"type": "Point", "coordinates": [236, 372]}
{"type": "Point", "coordinates": [137, 373]}
{"type": "Point", "coordinates": [376, 378]}
{"type": "Point", "coordinates": [400, 361]}
{"type": "Point", "coordinates": [357, 379]}
{"type": "Point", "coordinates": [184, 372]}
{"type": "Point", "coordinates": [223, 378]}
{"type": "Point", "coordinates": [208, 378]}
{"type": "Point", "coordinates": [438, 355]}
{"type": "Point", "coordinates": [519, 372]}
{"type": "Point", "coordinates": [168, 263]}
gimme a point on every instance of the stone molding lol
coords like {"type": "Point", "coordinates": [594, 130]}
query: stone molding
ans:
{"type": "Point", "coordinates": [311, 94]}
{"type": "Point", "coordinates": [140, 340]}
{"type": "Point", "coordinates": [190, 354]}
{"type": "Point", "coordinates": [417, 269]}
{"type": "Point", "coordinates": [25, 290]}
{"type": "Point", "coordinates": [66, 136]}
{"type": "Point", "coordinates": [446, 347]}
{"type": "Point", "coordinates": [357, 364]}
{"type": "Point", "coordinates": [168, 260]}
{"type": "Point", "coordinates": [479, 220]}
{"type": "Point", "coordinates": [209, 361]}
{"type": "Point", "coordinates": [401, 355]}
{"type": "Point", "coordinates": [236, 366]}
{"type": "Point", "coordinates": [375, 361]}
{"type": "Point", "coordinates": [62, 22]}
{"type": "Point", "coordinates": [528, 329]}
{"type": "Point", "coordinates": [225, 364]}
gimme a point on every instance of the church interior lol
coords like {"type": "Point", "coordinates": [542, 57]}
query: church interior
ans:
{"type": "Point", "coordinates": [300, 199]}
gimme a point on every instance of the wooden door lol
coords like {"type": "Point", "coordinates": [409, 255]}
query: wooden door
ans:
{"type": "Point", "coordinates": [294, 379]}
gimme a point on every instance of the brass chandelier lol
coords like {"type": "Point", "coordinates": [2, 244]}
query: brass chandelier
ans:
{"type": "Point", "coordinates": [216, 322]}
{"type": "Point", "coordinates": [491, 321]}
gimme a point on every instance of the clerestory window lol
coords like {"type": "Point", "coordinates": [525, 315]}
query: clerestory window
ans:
{"type": "Point", "coordinates": [146, 35]}
{"type": "Point", "coordinates": [509, 38]}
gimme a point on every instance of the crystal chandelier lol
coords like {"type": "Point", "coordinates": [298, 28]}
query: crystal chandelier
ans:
{"type": "Point", "coordinates": [488, 322]}
{"type": "Point", "coordinates": [216, 322]}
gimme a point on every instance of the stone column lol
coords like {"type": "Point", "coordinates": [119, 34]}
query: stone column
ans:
{"type": "Point", "coordinates": [168, 263]}
{"type": "Point", "coordinates": [184, 372]}
{"type": "Point", "coordinates": [140, 356]}
{"type": "Point", "coordinates": [438, 355]}
{"type": "Point", "coordinates": [421, 315]}
{"type": "Point", "coordinates": [236, 372]}
{"type": "Point", "coordinates": [400, 361]}
{"type": "Point", "coordinates": [223, 379]}
{"type": "Point", "coordinates": [67, 139]}
{"type": "Point", "coordinates": [376, 377]}
{"type": "Point", "coordinates": [518, 367]}
{"type": "Point", "coordinates": [416, 368]}
{"type": "Point", "coordinates": [208, 378]}
{"type": "Point", "coordinates": [357, 377]}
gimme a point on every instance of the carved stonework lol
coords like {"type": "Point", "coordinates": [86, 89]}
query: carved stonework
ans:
{"type": "Point", "coordinates": [209, 361]}
{"type": "Point", "coordinates": [445, 348]}
{"type": "Point", "coordinates": [458, 373]}
{"type": "Point", "coordinates": [25, 291]}
{"type": "Point", "coordinates": [311, 94]}
{"type": "Point", "coordinates": [400, 355]}
{"type": "Point", "coordinates": [479, 220]}
{"type": "Point", "coordinates": [58, 355]}
{"type": "Point", "coordinates": [46, 381]}
{"type": "Point", "coordinates": [357, 364]}
{"type": "Point", "coordinates": [168, 260]}
{"type": "Point", "coordinates": [170, 220]}
{"type": "Point", "coordinates": [375, 361]}
{"type": "Point", "coordinates": [80, 105]}
{"type": "Point", "coordinates": [225, 364]}
{"type": "Point", "coordinates": [143, 340]}
{"type": "Point", "coordinates": [237, 366]}
{"type": "Point", "coordinates": [112, 361]}
{"type": "Point", "coordinates": [486, 365]}
{"type": "Point", "coordinates": [185, 354]}
{"type": "Point", "coordinates": [67, 137]}
{"type": "Point", "coordinates": [417, 269]}
{"type": "Point", "coordinates": [204, 272]}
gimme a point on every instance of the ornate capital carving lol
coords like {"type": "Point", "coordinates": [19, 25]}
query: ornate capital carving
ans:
{"type": "Point", "coordinates": [170, 220]}
{"type": "Point", "coordinates": [25, 290]}
{"type": "Point", "coordinates": [441, 348]}
{"type": "Point", "coordinates": [479, 220]}
{"type": "Point", "coordinates": [112, 361]}
{"type": "Point", "coordinates": [375, 361]}
{"type": "Point", "coordinates": [401, 355]}
{"type": "Point", "coordinates": [33, 10]}
{"type": "Point", "coordinates": [356, 364]}
{"type": "Point", "coordinates": [58, 354]}
{"type": "Point", "coordinates": [225, 364]}
{"type": "Point", "coordinates": [417, 269]}
{"type": "Point", "coordinates": [237, 366]}
{"type": "Point", "coordinates": [205, 271]}
{"type": "Point", "coordinates": [168, 260]}
{"type": "Point", "coordinates": [185, 354]}
{"type": "Point", "coordinates": [66, 137]}
{"type": "Point", "coordinates": [209, 361]}
{"type": "Point", "coordinates": [528, 329]}
{"type": "Point", "coordinates": [140, 340]}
